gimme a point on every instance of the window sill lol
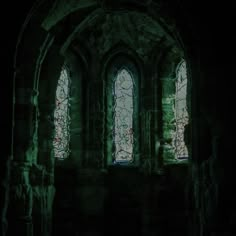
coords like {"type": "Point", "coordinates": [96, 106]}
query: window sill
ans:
{"type": "Point", "coordinates": [176, 162]}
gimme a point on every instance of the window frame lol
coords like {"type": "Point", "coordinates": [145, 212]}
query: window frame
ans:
{"type": "Point", "coordinates": [116, 64]}
{"type": "Point", "coordinates": [178, 68]}
{"type": "Point", "coordinates": [125, 162]}
{"type": "Point", "coordinates": [67, 151]}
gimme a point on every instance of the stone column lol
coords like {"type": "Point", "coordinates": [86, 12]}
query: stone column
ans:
{"type": "Point", "coordinates": [95, 127]}
{"type": "Point", "coordinates": [21, 200]}
{"type": "Point", "coordinates": [43, 196]}
{"type": "Point", "coordinates": [168, 118]}
{"type": "Point", "coordinates": [25, 126]}
{"type": "Point", "coordinates": [45, 136]}
{"type": "Point", "coordinates": [24, 154]}
{"type": "Point", "coordinates": [43, 173]}
{"type": "Point", "coordinates": [146, 142]}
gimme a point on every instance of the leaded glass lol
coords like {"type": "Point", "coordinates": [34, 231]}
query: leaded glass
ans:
{"type": "Point", "coordinates": [123, 117]}
{"type": "Point", "coordinates": [61, 117]}
{"type": "Point", "coordinates": [181, 113]}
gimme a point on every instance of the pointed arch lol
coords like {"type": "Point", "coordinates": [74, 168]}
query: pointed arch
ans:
{"type": "Point", "coordinates": [181, 112]}
{"type": "Point", "coordinates": [122, 66]}
{"type": "Point", "coordinates": [123, 99]}
{"type": "Point", "coordinates": [61, 116]}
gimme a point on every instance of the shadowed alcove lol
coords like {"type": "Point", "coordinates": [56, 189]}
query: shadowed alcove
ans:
{"type": "Point", "coordinates": [114, 128]}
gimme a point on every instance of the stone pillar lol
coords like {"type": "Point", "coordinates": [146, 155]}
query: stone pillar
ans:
{"type": "Point", "coordinates": [76, 121]}
{"type": "Point", "coordinates": [21, 200]}
{"type": "Point", "coordinates": [42, 174]}
{"type": "Point", "coordinates": [151, 123]}
{"type": "Point", "coordinates": [95, 126]}
{"type": "Point", "coordinates": [168, 119]}
{"type": "Point", "coordinates": [146, 142]}
{"type": "Point", "coordinates": [45, 136]}
{"type": "Point", "coordinates": [24, 154]}
{"type": "Point", "coordinates": [43, 196]}
{"type": "Point", "coordinates": [25, 126]}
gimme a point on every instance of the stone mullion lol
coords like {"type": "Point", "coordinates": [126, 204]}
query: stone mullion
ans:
{"type": "Point", "coordinates": [157, 131]}
{"type": "Point", "coordinates": [150, 139]}
{"type": "Point", "coordinates": [146, 141]}
{"type": "Point", "coordinates": [76, 133]}
{"type": "Point", "coordinates": [76, 119]}
{"type": "Point", "coordinates": [103, 163]}
{"type": "Point", "coordinates": [144, 127]}
{"type": "Point", "coordinates": [159, 125]}
{"type": "Point", "coordinates": [168, 118]}
{"type": "Point", "coordinates": [148, 125]}
{"type": "Point", "coordinates": [86, 124]}
{"type": "Point", "coordinates": [95, 125]}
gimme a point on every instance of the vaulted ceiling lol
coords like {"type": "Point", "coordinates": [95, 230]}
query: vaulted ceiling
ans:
{"type": "Point", "coordinates": [137, 30]}
{"type": "Point", "coordinates": [103, 24]}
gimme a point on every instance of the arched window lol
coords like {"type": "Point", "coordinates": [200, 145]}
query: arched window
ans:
{"type": "Point", "coordinates": [123, 116]}
{"type": "Point", "coordinates": [61, 116]}
{"type": "Point", "coordinates": [122, 109]}
{"type": "Point", "coordinates": [181, 113]}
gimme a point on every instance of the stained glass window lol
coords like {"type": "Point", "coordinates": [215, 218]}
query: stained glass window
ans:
{"type": "Point", "coordinates": [61, 117]}
{"type": "Point", "coordinates": [181, 113]}
{"type": "Point", "coordinates": [123, 117]}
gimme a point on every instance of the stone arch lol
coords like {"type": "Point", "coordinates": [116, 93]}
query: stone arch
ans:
{"type": "Point", "coordinates": [166, 67]}
{"type": "Point", "coordinates": [121, 56]}
{"type": "Point", "coordinates": [30, 100]}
